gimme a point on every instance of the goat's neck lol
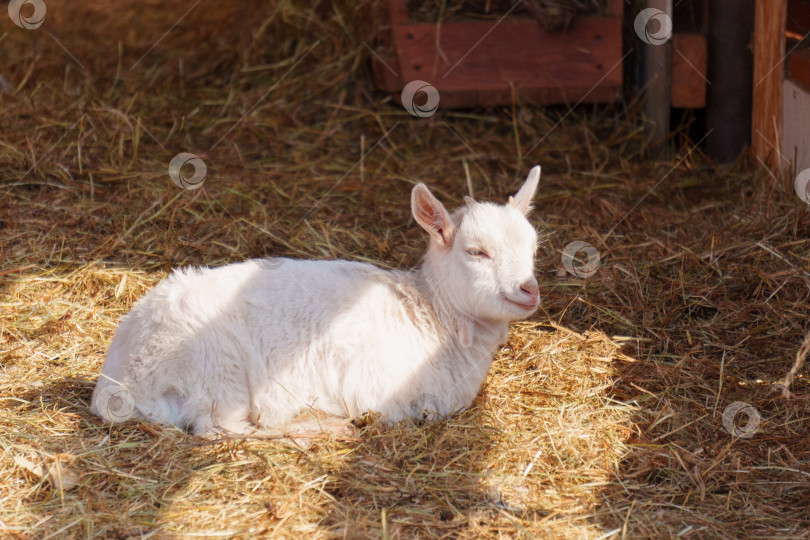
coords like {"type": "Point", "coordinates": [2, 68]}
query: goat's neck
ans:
{"type": "Point", "coordinates": [486, 333]}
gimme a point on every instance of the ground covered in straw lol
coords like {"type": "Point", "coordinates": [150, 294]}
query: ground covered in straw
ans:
{"type": "Point", "coordinates": [602, 416]}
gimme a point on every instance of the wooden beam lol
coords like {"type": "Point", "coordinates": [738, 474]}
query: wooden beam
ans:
{"type": "Point", "coordinates": [731, 72]}
{"type": "Point", "coordinates": [657, 59]}
{"type": "Point", "coordinates": [769, 52]}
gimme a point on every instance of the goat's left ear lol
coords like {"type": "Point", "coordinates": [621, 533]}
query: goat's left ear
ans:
{"type": "Point", "coordinates": [432, 216]}
{"type": "Point", "coordinates": [522, 201]}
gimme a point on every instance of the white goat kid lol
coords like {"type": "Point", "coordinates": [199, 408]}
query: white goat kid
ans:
{"type": "Point", "coordinates": [250, 345]}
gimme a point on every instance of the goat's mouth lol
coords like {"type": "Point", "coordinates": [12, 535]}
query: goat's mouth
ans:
{"type": "Point", "coordinates": [527, 306]}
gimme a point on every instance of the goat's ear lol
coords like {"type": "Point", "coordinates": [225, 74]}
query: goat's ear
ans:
{"type": "Point", "coordinates": [432, 216]}
{"type": "Point", "coordinates": [522, 201]}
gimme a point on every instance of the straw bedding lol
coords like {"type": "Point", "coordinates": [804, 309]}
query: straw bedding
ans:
{"type": "Point", "coordinates": [602, 416]}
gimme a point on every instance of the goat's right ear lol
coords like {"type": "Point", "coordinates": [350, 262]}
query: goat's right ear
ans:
{"type": "Point", "coordinates": [432, 216]}
{"type": "Point", "coordinates": [522, 201]}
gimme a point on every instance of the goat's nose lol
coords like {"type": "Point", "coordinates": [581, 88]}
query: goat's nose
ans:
{"type": "Point", "coordinates": [530, 287]}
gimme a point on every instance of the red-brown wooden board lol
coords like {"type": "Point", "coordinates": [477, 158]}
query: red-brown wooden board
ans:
{"type": "Point", "coordinates": [478, 63]}
{"type": "Point", "coordinates": [689, 62]}
{"type": "Point", "coordinates": [481, 63]}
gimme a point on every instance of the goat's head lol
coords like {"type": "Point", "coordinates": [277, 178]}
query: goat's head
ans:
{"type": "Point", "coordinates": [482, 256]}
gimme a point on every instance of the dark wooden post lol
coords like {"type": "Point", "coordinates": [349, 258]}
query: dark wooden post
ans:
{"type": "Point", "coordinates": [657, 60]}
{"type": "Point", "coordinates": [731, 69]}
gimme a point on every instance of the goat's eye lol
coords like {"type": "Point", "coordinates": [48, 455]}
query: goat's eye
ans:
{"type": "Point", "coordinates": [477, 253]}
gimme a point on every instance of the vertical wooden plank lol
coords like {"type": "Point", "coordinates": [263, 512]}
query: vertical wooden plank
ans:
{"type": "Point", "coordinates": [731, 68]}
{"type": "Point", "coordinates": [688, 75]}
{"type": "Point", "coordinates": [769, 52]}
{"type": "Point", "coordinates": [657, 59]}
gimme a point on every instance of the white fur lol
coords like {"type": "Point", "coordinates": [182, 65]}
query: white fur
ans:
{"type": "Point", "coordinates": [250, 345]}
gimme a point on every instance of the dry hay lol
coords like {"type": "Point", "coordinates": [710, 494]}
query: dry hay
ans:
{"type": "Point", "coordinates": [602, 416]}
